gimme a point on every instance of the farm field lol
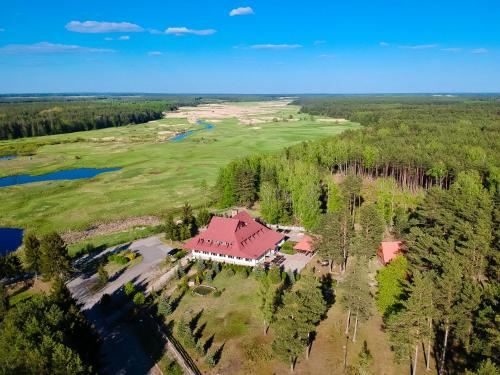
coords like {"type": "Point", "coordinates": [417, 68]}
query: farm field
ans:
{"type": "Point", "coordinates": [156, 174]}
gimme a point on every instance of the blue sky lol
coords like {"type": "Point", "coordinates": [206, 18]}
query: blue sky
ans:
{"type": "Point", "coordinates": [265, 46]}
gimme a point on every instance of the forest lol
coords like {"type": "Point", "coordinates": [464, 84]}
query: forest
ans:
{"type": "Point", "coordinates": [433, 168]}
{"type": "Point", "coordinates": [30, 118]}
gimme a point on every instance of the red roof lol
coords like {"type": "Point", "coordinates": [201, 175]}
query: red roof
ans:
{"type": "Point", "coordinates": [239, 236]}
{"type": "Point", "coordinates": [305, 244]}
{"type": "Point", "coordinates": [388, 250]}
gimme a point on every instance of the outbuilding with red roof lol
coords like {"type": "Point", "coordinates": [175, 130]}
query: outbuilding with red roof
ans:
{"type": "Point", "coordinates": [388, 250]}
{"type": "Point", "coordinates": [238, 240]}
{"type": "Point", "coordinates": [305, 245]}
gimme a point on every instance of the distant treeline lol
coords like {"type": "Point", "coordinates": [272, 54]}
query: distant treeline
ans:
{"type": "Point", "coordinates": [27, 118]}
{"type": "Point", "coordinates": [420, 142]}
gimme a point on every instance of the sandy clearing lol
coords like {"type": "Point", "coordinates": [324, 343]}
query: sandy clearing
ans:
{"type": "Point", "coordinates": [247, 113]}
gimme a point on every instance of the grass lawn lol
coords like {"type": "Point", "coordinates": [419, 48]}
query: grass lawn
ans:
{"type": "Point", "coordinates": [235, 321]}
{"type": "Point", "coordinates": [155, 176]}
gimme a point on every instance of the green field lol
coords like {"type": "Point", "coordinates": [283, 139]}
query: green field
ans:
{"type": "Point", "coordinates": [156, 174]}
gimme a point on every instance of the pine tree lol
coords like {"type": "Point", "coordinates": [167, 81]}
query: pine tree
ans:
{"type": "Point", "coordinates": [415, 319]}
{"type": "Point", "coordinates": [372, 230]}
{"type": "Point", "coordinates": [290, 334]}
{"type": "Point", "coordinates": [32, 252]}
{"type": "Point", "coordinates": [269, 297]}
{"type": "Point", "coordinates": [311, 305]}
{"type": "Point", "coordinates": [334, 238]}
{"type": "Point", "coordinates": [54, 259]}
{"type": "Point", "coordinates": [171, 229]}
{"type": "Point", "coordinates": [356, 298]}
{"type": "Point", "coordinates": [351, 189]}
{"type": "Point", "coordinates": [204, 217]}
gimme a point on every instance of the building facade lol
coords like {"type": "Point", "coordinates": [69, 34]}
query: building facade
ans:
{"type": "Point", "coordinates": [237, 240]}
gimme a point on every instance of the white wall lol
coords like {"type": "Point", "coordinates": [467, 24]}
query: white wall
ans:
{"type": "Point", "coordinates": [225, 259]}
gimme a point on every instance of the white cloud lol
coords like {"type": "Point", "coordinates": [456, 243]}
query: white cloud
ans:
{"type": "Point", "coordinates": [48, 48]}
{"type": "Point", "coordinates": [241, 11]}
{"type": "Point", "coordinates": [95, 27]}
{"type": "Point", "coordinates": [384, 44]}
{"type": "Point", "coordinates": [327, 56]}
{"type": "Point", "coordinates": [319, 42]}
{"type": "Point", "coordinates": [420, 46]}
{"type": "Point", "coordinates": [452, 49]}
{"type": "Point", "coordinates": [479, 51]}
{"type": "Point", "coordinates": [184, 30]}
{"type": "Point", "coordinates": [275, 46]}
{"type": "Point", "coordinates": [108, 39]}
{"type": "Point", "coordinates": [155, 53]}
{"type": "Point", "coordinates": [124, 37]}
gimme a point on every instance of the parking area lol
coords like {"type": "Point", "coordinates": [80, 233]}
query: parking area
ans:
{"type": "Point", "coordinates": [153, 251]}
{"type": "Point", "coordinates": [294, 263]}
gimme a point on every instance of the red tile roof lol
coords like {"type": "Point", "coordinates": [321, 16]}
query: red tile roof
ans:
{"type": "Point", "coordinates": [388, 250]}
{"type": "Point", "coordinates": [239, 236]}
{"type": "Point", "coordinates": [305, 244]}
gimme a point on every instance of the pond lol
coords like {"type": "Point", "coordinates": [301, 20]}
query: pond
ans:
{"type": "Point", "coordinates": [69, 174]}
{"type": "Point", "coordinates": [10, 240]}
{"type": "Point", "coordinates": [203, 290]}
{"type": "Point", "coordinates": [180, 137]}
{"type": "Point", "coordinates": [8, 157]}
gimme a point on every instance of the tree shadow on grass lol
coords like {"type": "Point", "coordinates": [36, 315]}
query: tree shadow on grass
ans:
{"type": "Point", "coordinates": [193, 323]}
{"type": "Point", "coordinates": [199, 332]}
{"type": "Point", "coordinates": [218, 353]}
{"type": "Point", "coordinates": [208, 344]}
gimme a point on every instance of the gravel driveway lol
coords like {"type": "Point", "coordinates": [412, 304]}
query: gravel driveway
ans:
{"type": "Point", "coordinates": [153, 251]}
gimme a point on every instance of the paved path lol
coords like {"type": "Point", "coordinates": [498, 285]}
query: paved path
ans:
{"type": "Point", "coordinates": [153, 251]}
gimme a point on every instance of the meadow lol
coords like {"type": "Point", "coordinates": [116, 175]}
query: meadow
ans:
{"type": "Point", "coordinates": [234, 321]}
{"type": "Point", "coordinates": [156, 174]}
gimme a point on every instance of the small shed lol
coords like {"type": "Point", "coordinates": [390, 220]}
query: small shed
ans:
{"type": "Point", "coordinates": [305, 245]}
{"type": "Point", "coordinates": [388, 251]}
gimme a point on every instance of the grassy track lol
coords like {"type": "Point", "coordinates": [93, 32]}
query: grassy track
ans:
{"type": "Point", "coordinates": [155, 175]}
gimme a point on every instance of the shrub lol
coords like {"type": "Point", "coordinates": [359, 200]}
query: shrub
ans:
{"type": "Point", "coordinates": [118, 259]}
{"type": "Point", "coordinates": [128, 288]}
{"type": "Point", "coordinates": [164, 306]}
{"type": "Point", "coordinates": [200, 265]}
{"type": "Point", "coordinates": [274, 275]}
{"type": "Point", "coordinates": [259, 272]}
{"type": "Point", "coordinates": [198, 280]}
{"type": "Point", "coordinates": [217, 293]}
{"type": "Point", "coordinates": [180, 254]}
{"type": "Point", "coordinates": [209, 275]}
{"type": "Point", "coordinates": [102, 274]}
{"type": "Point", "coordinates": [210, 359]}
{"type": "Point", "coordinates": [139, 299]}
{"type": "Point", "coordinates": [216, 267]}
{"type": "Point", "coordinates": [130, 255]}
{"type": "Point", "coordinates": [287, 248]}
{"type": "Point", "coordinates": [230, 272]}
{"type": "Point", "coordinates": [200, 348]}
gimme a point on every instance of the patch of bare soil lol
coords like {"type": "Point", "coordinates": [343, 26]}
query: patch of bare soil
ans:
{"type": "Point", "coordinates": [109, 228]}
{"type": "Point", "coordinates": [247, 114]}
